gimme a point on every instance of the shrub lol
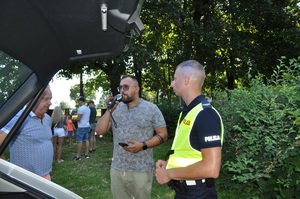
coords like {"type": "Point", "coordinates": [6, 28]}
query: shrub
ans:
{"type": "Point", "coordinates": [171, 113]}
{"type": "Point", "coordinates": [261, 156]}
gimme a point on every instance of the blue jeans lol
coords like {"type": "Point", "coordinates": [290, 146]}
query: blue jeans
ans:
{"type": "Point", "coordinates": [82, 134]}
{"type": "Point", "coordinates": [92, 130]}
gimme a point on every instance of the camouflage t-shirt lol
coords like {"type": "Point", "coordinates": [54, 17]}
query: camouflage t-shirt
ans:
{"type": "Point", "coordinates": [136, 123]}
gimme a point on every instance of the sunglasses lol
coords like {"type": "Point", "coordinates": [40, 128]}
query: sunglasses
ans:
{"type": "Point", "coordinates": [124, 87]}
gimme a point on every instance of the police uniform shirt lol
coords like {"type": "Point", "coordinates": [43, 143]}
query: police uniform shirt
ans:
{"type": "Point", "coordinates": [206, 130]}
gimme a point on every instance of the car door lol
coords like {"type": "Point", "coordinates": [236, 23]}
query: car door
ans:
{"type": "Point", "coordinates": [37, 39]}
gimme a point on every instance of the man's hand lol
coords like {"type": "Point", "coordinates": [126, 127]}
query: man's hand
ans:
{"type": "Point", "coordinates": [135, 147]}
{"type": "Point", "coordinates": [114, 107]}
{"type": "Point", "coordinates": [109, 99]}
{"type": "Point", "coordinates": [161, 172]}
{"type": "Point", "coordinates": [161, 164]}
{"type": "Point", "coordinates": [161, 175]}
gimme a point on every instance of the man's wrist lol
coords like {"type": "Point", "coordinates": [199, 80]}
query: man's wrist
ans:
{"type": "Point", "coordinates": [169, 173]}
{"type": "Point", "coordinates": [145, 146]}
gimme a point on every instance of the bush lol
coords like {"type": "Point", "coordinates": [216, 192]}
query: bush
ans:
{"type": "Point", "coordinates": [171, 113]}
{"type": "Point", "coordinates": [261, 156]}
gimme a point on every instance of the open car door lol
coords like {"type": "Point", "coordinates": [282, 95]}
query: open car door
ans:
{"type": "Point", "coordinates": [37, 39]}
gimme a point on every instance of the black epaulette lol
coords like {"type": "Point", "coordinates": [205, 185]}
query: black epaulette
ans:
{"type": "Point", "coordinates": [206, 104]}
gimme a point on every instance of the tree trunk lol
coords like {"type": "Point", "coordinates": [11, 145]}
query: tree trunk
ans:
{"type": "Point", "coordinates": [230, 81]}
{"type": "Point", "coordinates": [81, 85]}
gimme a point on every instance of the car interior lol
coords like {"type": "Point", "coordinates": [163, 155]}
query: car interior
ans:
{"type": "Point", "coordinates": [37, 39]}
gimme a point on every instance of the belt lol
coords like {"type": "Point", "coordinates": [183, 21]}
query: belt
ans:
{"type": "Point", "coordinates": [194, 182]}
{"type": "Point", "coordinates": [181, 186]}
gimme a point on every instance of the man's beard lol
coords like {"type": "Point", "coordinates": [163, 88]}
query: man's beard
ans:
{"type": "Point", "coordinates": [128, 100]}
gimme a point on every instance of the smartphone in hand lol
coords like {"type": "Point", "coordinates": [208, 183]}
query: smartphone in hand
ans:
{"type": "Point", "coordinates": [122, 144]}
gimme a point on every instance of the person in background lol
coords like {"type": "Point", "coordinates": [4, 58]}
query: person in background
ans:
{"type": "Point", "coordinates": [92, 121]}
{"type": "Point", "coordinates": [82, 135]}
{"type": "Point", "coordinates": [67, 116]}
{"type": "Point", "coordinates": [58, 123]}
{"type": "Point", "coordinates": [32, 147]}
{"type": "Point", "coordinates": [71, 129]}
{"type": "Point", "coordinates": [133, 122]}
{"type": "Point", "coordinates": [195, 158]}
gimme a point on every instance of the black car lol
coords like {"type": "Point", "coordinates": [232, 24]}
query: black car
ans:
{"type": "Point", "coordinates": [38, 38]}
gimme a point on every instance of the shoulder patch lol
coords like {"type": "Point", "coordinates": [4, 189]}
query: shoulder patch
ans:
{"type": "Point", "coordinates": [212, 138]}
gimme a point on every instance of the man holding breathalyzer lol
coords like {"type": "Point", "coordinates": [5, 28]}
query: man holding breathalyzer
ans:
{"type": "Point", "coordinates": [133, 121]}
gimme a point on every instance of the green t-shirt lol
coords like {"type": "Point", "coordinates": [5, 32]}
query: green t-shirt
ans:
{"type": "Point", "coordinates": [93, 115]}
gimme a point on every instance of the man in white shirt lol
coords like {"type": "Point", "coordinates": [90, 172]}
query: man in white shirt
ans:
{"type": "Point", "coordinates": [83, 116]}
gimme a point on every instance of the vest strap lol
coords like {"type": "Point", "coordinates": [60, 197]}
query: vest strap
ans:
{"type": "Point", "coordinates": [182, 162]}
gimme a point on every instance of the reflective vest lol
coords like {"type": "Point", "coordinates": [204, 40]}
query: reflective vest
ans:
{"type": "Point", "coordinates": [184, 154]}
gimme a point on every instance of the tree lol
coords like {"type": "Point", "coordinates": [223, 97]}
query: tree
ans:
{"type": "Point", "coordinates": [262, 135]}
{"type": "Point", "coordinates": [16, 73]}
{"type": "Point", "coordinates": [260, 32]}
{"type": "Point", "coordinates": [64, 105]}
{"type": "Point", "coordinates": [227, 37]}
{"type": "Point", "coordinates": [90, 94]}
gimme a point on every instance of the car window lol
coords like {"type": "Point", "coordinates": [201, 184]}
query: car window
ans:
{"type": "Point", "coordinates": [13, 74]}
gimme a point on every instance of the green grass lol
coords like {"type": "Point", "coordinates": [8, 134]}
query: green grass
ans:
{"type": "Point", "coordinates": [90, 178]}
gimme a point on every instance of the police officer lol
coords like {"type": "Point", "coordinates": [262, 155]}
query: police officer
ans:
{"type": "Point", "coordinates": [195, 158]}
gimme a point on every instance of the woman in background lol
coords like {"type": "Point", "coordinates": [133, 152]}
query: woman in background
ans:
{"type": "Point", "coordinates": [58, 123]}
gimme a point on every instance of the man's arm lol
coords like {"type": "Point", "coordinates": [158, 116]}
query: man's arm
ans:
{"type": "Point", "coordinates": [74, 128]}
{"type": "Point", "coordinates": [160, 137]}
{"type": "Point", "coordinates": [103, 123]}
{"type": "Point", "coordinates": [209, 167]}
{"type": "Point", "coordinates": [78, 118]}
{"type": "Point", "coordinates": [152, 142]}
{"type": "Point", "coordinates": [2, 137]}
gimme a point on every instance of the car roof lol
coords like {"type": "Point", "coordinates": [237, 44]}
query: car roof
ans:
{"type": "Point", "coordinates": [48, 35]}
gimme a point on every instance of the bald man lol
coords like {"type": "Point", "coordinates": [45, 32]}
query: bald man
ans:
{"type": "Point", "coordinates": [195, 158]}
{"type": "Point", "coordinates": [31, 148]}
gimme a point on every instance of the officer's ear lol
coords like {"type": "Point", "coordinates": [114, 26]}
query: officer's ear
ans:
{"type": "Point", "coordinates": [187, 79]}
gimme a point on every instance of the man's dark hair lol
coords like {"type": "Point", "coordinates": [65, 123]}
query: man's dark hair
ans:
{"type": "Point", "coordinates": [135, 80]}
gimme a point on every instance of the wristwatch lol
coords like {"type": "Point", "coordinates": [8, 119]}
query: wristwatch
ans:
{"type": "Point", "coordinates": [144, 146]}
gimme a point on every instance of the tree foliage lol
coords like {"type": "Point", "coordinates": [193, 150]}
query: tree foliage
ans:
{"type": "Point", "coordinates": [90, 94]}
{"type": "Point", "coordinates": [262, 139]}
{"type": "Point", "coordinates": [64, 105]}
{"type": "Point", "coordinates": [16, 73]}
{"type": "Point", "coordinates": [228, 37]}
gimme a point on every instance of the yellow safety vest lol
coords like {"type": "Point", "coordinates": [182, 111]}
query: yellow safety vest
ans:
{"type": "Point", "coordinates": [184, 154]}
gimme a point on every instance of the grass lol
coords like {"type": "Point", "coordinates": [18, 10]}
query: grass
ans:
{"type": "Point", "coordinates": [90, 178]}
